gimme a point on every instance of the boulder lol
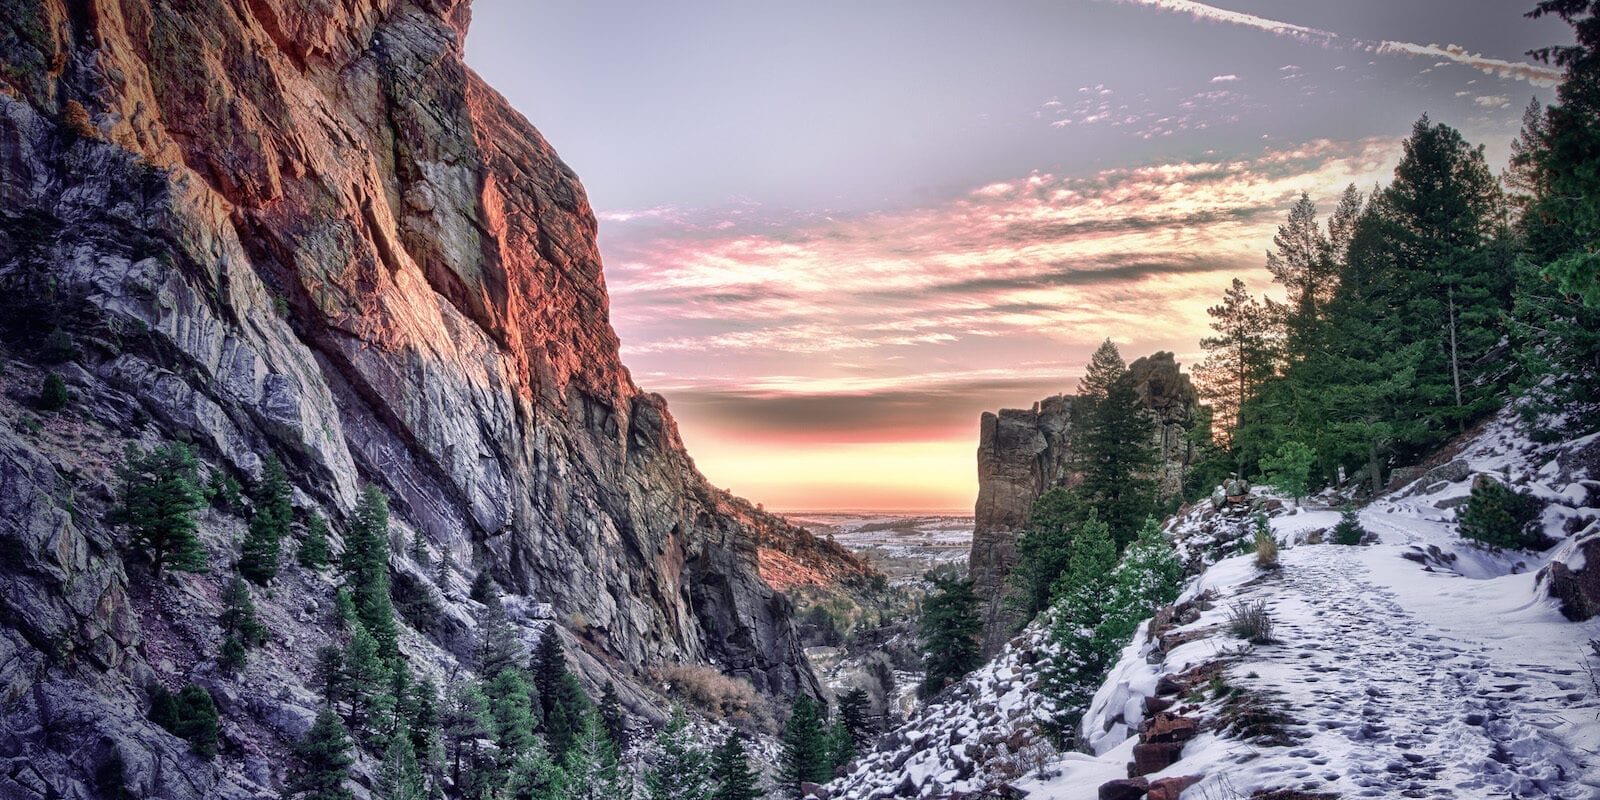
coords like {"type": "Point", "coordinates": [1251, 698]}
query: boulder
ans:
{"type": "Point", "coordinates": [1574, 580]}
{"type": "Point", "coordinates": [1172, 788]}
{"type": "Point", "coordinates": [1124, 789]}
{"type": "Point", "coordinates": [1155, 756]}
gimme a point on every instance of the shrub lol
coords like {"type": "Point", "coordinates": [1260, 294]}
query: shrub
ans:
{"type": "Point", "coordinates": [1290, 470]}
{"type": "Point", "coordinates": [1498, 516]}
{"type": "Point", "coordinates": [58, 347]}
{"type": "Point", "coordinates": [1251, 622]}
{"type": "Point", "coordinates": [1349, 530]}
{"type": "Point", "coordinates": [190, 714]}
{"type": "Point", "coordinates": [75, 119]}
{"type": "Point", "coordinates": [1254, 715]}
{"type": "Point", "coordinates": [1266, 551]}
{"type": "Point", "coordinates": [53, 395]}
{"type": "Point", "coordinates": [713, 693]}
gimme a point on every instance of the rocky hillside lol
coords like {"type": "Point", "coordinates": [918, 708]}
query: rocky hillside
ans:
{"type": "Point", "coordinates": [1416, 664]}
{"type": "Point", "coordinates": [307, 230]}
{"type": "Point", "coordinates": [1023, 453]}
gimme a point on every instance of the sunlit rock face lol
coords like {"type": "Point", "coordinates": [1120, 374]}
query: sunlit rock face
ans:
{"type": "Point", "coordinates": [1023, 453]}
{"type": "Point", "coordinates": [307, 229]}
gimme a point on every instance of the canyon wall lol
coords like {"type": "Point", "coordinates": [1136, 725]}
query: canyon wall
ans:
{"type": "Point", "coordinates": [308, 230]}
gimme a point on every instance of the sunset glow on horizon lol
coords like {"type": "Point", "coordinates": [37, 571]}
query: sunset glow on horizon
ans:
{"type": "Point", "coordinates": [835, 234]}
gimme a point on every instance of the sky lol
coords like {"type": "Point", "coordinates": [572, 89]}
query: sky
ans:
{"type": "Point", "coordinates": [835, 232]}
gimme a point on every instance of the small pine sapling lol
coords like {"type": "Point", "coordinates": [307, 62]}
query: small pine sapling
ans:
{"type": "Point", "coordinates": [1349, 530]}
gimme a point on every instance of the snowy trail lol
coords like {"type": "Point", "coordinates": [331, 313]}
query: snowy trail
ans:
{"type": "Point", "coordinates": [1408, 712]}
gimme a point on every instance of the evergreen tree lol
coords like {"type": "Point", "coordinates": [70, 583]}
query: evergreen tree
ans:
{"type": "Point", "coordinates": [949, 632]}
{"type": "Point", "coordinates": [591, 766]}
{"type": "Point", "coordinates": [400, 776]}
{"type": "Point", "coordinates": [160, 497]}
{"type": "Point", "coordinates": [498, 648]}
{"type": "Point", "coordinates": [269, 524]}
{"type": "Point", "coordinates": [549, 665]}
{"type": "Point", "coordinates": [53, 394]}
{"type": "Point", "coordinates": [240, 628]}
{"type": "Point", "coordinates": [564, 719]}
{"type": "Point", "coordinates": [1113, 441]}
{"type": "Point", "coordinates": [344, 609]}
{"type": "Point", "coordinates": [806, 756]}
{"type": "Point", "coordinates": [314, 548]}
{"type": "Point", "coordinates": [683, 771]}
{"type": "Point", "coordinates": [447, 564]}
{"type": "Point", "coordinates": [1498, 516]}
{"type": "Point", "coordinates": [613, 718]}
{"type": "Point", "coordinates": [511, 708]}
{"type": "Point", "coordinates": [1238, 359]}
{"type": "Point", "coordinates": [1290, 469]}
{"type": "Point", "coordinates": [536, 776]}
{"type": "Point", "coordinates": [466, 720]}
{"type": "Point", "coordinates": [1303, 262]}
{"type": "Point", "coordinates": [1446, 208]}
{"type": "Point", "coordinates": [366, 569]}
{"type": "Point", "coordinates": [1043, 550]}
{"type": "Point", "coordinates": [326, 760]}
{"type": "Point", "coordinates": [423, 713]}
{"type": "Point", "coordinates": [329, 674]}
{"type": "Point", "coordinates": [1342, 228]}
{"type": "Point", "coordinates": [1349, 530]}
{"type": "Point", "coordinates": [190, 714]}
{"type": "Point", "coordinates": [731, 772]}
{"type": "Point", "coordinates": [841, 745]}
{"type": "Point", "coordinates": [419, 550]}
{"type": "Point", "coordinates": [855, 712]}
{"type": "Point", "coordinates": [367, 678]}
{"type": "Point", "coordinates": [1569, 193]}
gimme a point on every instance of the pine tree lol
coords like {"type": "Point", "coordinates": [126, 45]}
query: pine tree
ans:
{"type": "Point", "coordinates": [549, 665]}
{"type": "Point", "coordinates": [447, 564]}
{"type": "Point", "coordinates": [1569, 195]}
{"type": "Point", "coordinates": [159, 499]}
{"type": "Point", "coordinates": [511, 708]}
{"type": "Point", "coordinates": [466, 720]}
{"type": "Point", "coordinates": [326, 760]}
{"type": "Point", "coordinates": [536, 776]}
{"type": "Point", "coordinates": [1498, 516]}
{"type": "Point", "coordinates": [366, 677]}
{"type": "Point", "coordinates": [805, 757]}
{"type": "Point", "coordinates": [53, 394]}
{"type": "Point", "coordinates": [400, 776]}
{"type": "Point", "coordinates": [613, 718]}
{"type": "Point", "coordinates": [949, 631]}
{"type": "Point", "coordinates": [1290, 469]}
{"type": "Point", "coordinates": [366, 569]}
{"type": "Point", "coordinates": [683, 771]}
{"type": "Point", "coordinates": [855, 712]}
{"type": "Point", "coordinates": [329, 673]}
{"type": "Point", "coordinates": [1349, 530]}
{"type": "Point", "coordinates": [731, 772]}
{"type": "Point", "coordinates": [190, 714]}
{"type": "Point", "coordinates": [1043, 550]}
{"type": "Point", "coordinates": [498, 648]}
{"type": "Point", "coordinates": [240, 628]}
{"type": "Point", "coordinates": [314, 548]}
{"type": "Point", "coordinates": [1303, 262]}
{"type": "Point", "coordinates": [1238, 360]}
{"type": "Point", "coordinates": [564, 720]}
{"type": "Point", "coordinates": [841, 745]}
{"type": "Point", "coordinates": [269, 524]}
{"type": "Point", "coordinates": [419, 550]}
{"type": "Point", "coordinates": [1114, 446]}
{"type": "Point", "coordinates": [591, 766]}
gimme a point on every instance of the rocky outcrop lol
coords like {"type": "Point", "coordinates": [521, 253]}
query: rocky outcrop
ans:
{"type": "Point", "coordinates": [1024, 453]}
{"type": "Point", "coordinates": [308, 230]}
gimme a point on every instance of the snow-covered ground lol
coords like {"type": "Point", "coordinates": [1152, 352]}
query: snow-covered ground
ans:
{"type": "Point", "coordinates": [1417, 666]}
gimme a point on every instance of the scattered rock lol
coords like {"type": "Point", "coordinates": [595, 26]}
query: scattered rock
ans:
{"type": "Point", "coordinates": [1124, 789]}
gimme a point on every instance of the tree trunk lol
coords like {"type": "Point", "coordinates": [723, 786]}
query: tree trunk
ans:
{"type": "Point", "coordinates": [1374, 467]}
{"type": "Point", "coordinates": [1455, 357]}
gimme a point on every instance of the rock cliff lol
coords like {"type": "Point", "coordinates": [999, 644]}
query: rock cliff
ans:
{"type": "Point", "coordinates": [1023, 453]}
{"type": "Point", "coordinates": [307, 229]}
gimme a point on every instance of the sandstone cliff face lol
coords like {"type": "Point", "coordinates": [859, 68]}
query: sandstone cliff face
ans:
{"type": "Point", "coordinates": [1024, 453]}
{"type": "Point", "coordinates": [307, 229]}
